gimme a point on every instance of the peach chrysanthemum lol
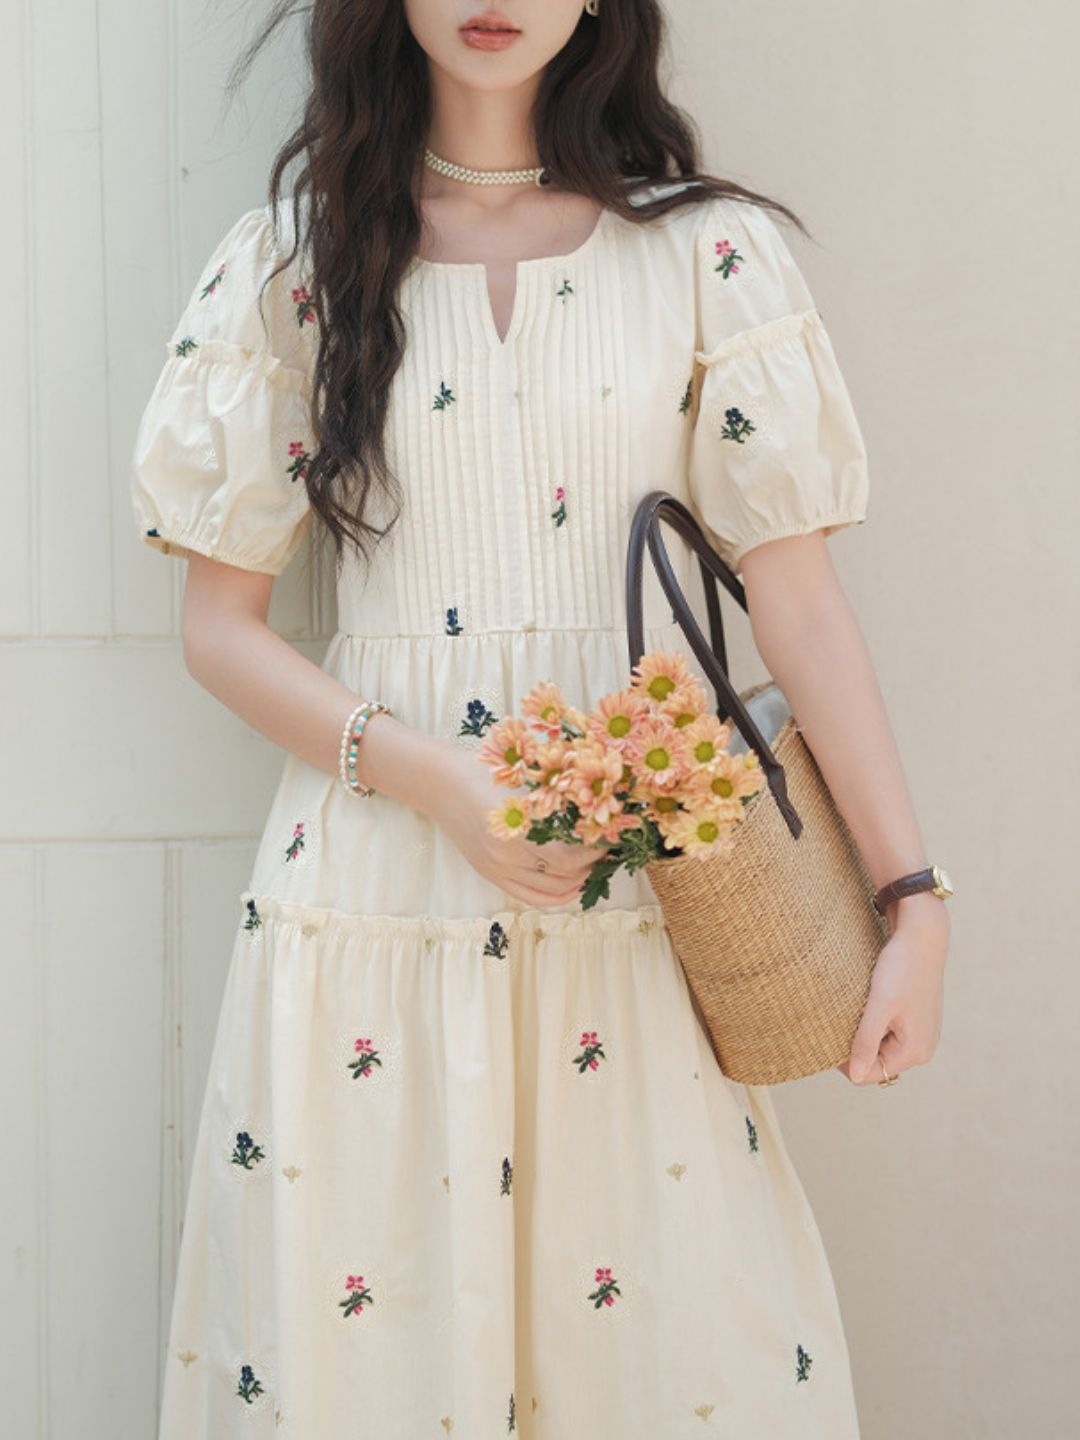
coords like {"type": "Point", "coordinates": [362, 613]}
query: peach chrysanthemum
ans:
{"type": "Point", "coordinates": [591, 832]}
{"type": "Point", "coordinates": [706, 737]}
{"type": "Point", "coordinates": [684, 704]}
{"type": "Point", "coordinates": [727, 777]}
{"type": "Point", "coordinates": [699, 832]}
{"type": "Point", "coordinates": [544, 708]}
{"type": "Point", "coordinates": [511, 818]}
{"type": "Point", "coordinates": [615, 716]}
{"type": "Point", "coordinates": [553, 763]}
{"type": "Point", "coordinates": [656, 754]}
{"type": "Point", "coordinates": [509, 748]}
{"type": "Point", "coordinates": [592, 780]}
{"type": "Point", "coordinates": [657, 674]}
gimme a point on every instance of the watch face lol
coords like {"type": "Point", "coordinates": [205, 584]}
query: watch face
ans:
{"type": "Point", "coordinates": [943, 885]}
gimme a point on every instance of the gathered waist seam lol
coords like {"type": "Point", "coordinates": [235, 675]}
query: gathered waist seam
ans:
{"type": "Point", "coordinates": [500, 630]}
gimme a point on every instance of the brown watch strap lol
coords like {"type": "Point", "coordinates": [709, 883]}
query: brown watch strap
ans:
{"type": "Point", "coordinates": [911, 884]}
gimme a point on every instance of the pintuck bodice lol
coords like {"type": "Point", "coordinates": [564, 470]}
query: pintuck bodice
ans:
{"type": "Point", "coordinates": [523, 459]}
{"type": "Point", "coordinates": [683, 355]}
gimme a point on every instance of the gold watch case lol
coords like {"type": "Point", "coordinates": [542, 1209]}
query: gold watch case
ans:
{"type": "Point", "coordinates": [942, 883]}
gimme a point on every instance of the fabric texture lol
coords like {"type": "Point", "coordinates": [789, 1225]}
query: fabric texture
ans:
{"type": "Point", "coordinates": [466, 1166]}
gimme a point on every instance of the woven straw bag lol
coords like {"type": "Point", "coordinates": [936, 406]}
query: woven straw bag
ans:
{"type": "Point", "coordinates": [777, 936]}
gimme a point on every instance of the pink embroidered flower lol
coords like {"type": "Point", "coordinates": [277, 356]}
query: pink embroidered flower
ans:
{"type": "Point", "coordinates": [305, 310]}
{"type": "Point", "coordinates": [366, 1057]}
{"type": "Point", "coordinates": [559, 513]}
{"type": "Point", "coordinates": [300, 460]}
{"type": "Point", "coordinates": [358, 1295]}
{"type": "Point", "coordinates": [214, 283]}
{"type": "Point", "coordinates": [606, 1288]}
{"type": "Point", "coordinates": [591, 1052]}
{"type": "Point", "coordinates": [728, 256]}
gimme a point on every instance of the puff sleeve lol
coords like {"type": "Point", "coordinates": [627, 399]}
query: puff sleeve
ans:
{"type": "Point", "coordinates": [221, 448]}
{"type": "Point", "coordinates": [776, 448]}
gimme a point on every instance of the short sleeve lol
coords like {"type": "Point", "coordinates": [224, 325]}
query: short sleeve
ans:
{"type": "Point", "coordinates": [223, 442]}
{"type": "Point", "coordinates": [776, 448]}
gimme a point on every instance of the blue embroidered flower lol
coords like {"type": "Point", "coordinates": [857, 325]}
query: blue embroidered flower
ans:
{"type": "Point", "coordinates": [803, 1361]}
{"type": "Point", "coordinates": [452, 626]}
{"type": "Point", "coordinates": [497, 941]}
{"type": "Point", "coordinates": [248, 1386]}
{"type": "Point", "coordinates": [246, 1151]}
{"type": "Point", "coordinates": [478, 718]}
{"type": "Point", "coordinates": [737, 427]}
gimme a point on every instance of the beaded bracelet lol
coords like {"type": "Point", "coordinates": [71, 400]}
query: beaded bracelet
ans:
{"type": "Point", "coordinates": [350, 743]}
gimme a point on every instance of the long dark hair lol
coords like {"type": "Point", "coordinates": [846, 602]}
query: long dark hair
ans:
{"type": "Point", "coordinates": [602, 127]}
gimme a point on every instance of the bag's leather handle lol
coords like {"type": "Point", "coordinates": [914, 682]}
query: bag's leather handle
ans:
{"type": "Point", "coordinates": [658, 505]}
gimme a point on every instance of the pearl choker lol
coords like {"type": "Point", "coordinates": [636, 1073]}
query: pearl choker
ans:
{"type": "Point", "coordinates": [484, 177]}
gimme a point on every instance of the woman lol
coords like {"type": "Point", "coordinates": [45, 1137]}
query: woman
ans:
{"type": "Point", "coordinates": [466, 1162]}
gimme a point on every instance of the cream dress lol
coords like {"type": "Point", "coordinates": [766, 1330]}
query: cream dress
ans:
{"type": "Point", "coordinates": [466, 1167]}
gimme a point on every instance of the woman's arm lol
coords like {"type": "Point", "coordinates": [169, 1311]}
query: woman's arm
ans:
{"type": "Point", "coordinates": [810, 641]}
{"type": "Point", "coordinates": [235, 655]}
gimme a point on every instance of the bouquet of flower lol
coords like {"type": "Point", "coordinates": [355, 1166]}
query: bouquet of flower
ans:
{"type": "Point", "coordinates": [645, 774]}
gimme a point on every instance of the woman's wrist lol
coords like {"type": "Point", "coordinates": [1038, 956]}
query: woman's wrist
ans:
{"type": "Point", "coordinates": [403, 763]}
{"type": "Point", "coordinates": [922, 911]}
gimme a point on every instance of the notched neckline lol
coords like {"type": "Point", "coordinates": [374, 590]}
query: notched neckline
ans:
{"type": "Point", "coordinates": [477, 270]}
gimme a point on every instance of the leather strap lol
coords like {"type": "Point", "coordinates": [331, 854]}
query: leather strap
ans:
{"type": "Point", "coordinates": [659, 505]}
{"type": "Point", "coordinates": [912, 884]}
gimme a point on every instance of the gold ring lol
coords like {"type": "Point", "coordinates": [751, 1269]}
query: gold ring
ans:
{"type": "Point", "coordinates": [889, 1079]}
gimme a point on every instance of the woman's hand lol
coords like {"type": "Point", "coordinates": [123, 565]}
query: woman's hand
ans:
{"type": "Point", "coordinates": [902, 1015]}
{"type": "Point", "coordinates": [466, 793]}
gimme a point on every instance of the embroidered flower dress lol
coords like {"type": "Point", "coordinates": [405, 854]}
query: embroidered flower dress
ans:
{"type": "Point", "coordinates": [464, 1166]}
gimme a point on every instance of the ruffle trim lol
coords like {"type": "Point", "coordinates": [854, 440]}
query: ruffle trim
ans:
{"type": "Point", "coordinates": [259, 364]}
{"type": "Point", "coordinates": [417, 929]}
{"type": "Point", "coordinates": [761, 338]}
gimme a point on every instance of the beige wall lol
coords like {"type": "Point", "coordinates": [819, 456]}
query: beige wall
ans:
{"type": "Point", "coordinates": [931, 150]}
{"type": "Point", "coordinates": [926, 146]}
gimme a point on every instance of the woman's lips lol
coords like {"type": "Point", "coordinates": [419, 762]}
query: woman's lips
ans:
{"type": "Point", "coordinates": [495, 34]}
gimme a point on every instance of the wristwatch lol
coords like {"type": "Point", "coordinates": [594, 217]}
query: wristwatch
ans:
{"type": "Point", "coordinates": [932, 878]}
